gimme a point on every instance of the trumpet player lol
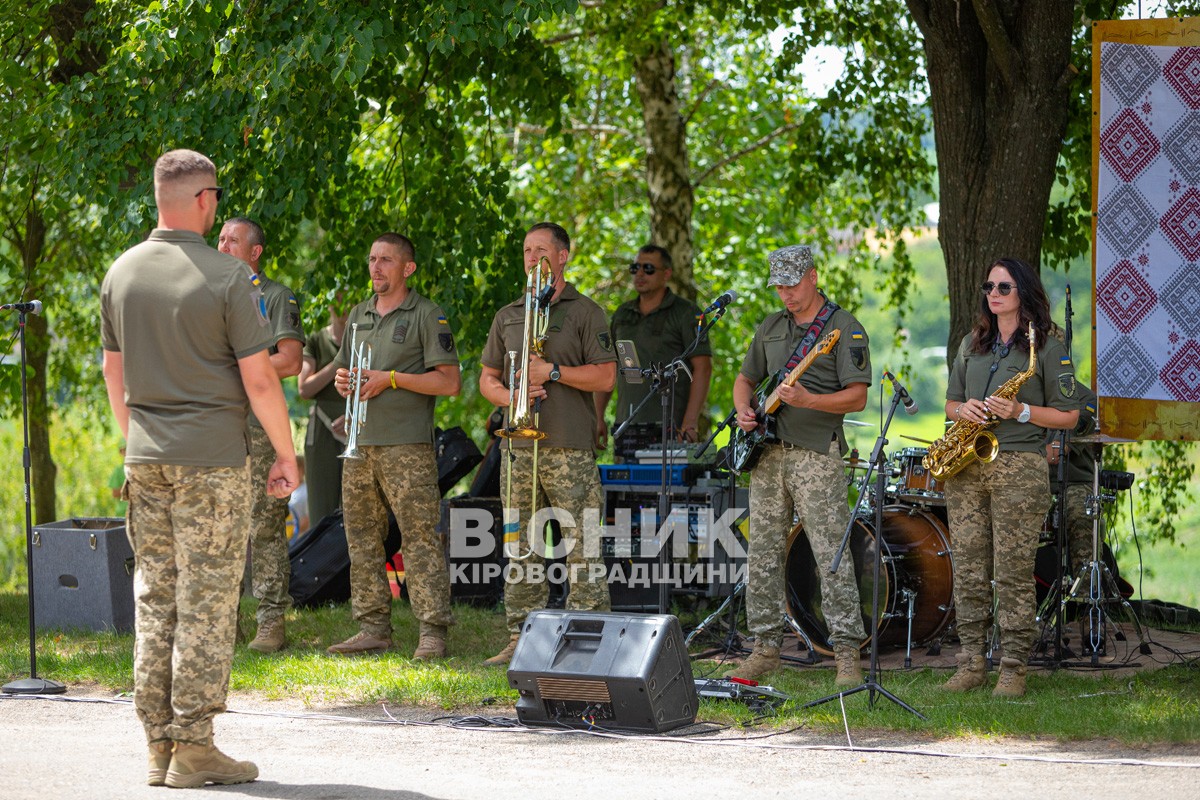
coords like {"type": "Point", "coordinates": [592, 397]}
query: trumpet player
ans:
{"type": "Point", "coordinates": [412, 361]}
{"type": "Point", "coordinates": [578, 359]}
{"type": "Point", "coordinates": [1018, 388]}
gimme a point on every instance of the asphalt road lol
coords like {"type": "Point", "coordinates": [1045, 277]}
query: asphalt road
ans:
{"type": "Point", "coordinates": [91, 746]}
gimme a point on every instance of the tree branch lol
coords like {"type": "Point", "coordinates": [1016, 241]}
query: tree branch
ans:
{"type": "Point", "coordinates": [714, 83]}
{"type": "Point", "coordinates": [1000, 46]}
{"type": "Point", "coordinates": [598, 127]}
{"type": "Point", "coordinates": [758, 145]}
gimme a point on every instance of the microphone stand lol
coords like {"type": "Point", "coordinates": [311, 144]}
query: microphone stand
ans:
{"type": "Point", "coordinates": [871, 684]}
{"type": "Point", "coordinates": [33, 684]}
{"type": "Point", "coordinates": [663, 383]}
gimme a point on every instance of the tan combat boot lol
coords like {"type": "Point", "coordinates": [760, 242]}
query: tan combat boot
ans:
{"type": "Point", "coordinates": [849, 672]}
{"type": "Point", "coordinates": [505, 655]}
{"type": "Point", "coordinates": [361, 643]}
{"type": "Point", "coordinates": [1011, 682]}
{"type": "Point", "coordinates": [270, 637]}
{"type": "Point", "coordinates": [159, 762]}
{"type": "Point", "coordinates": [194, 765]}
{"type": "Point", "coordinates": [971, 674]}
{"type": "Point", "coordinates": [762, 660]}
{"type": "Point", "coordinates": [432, 643]}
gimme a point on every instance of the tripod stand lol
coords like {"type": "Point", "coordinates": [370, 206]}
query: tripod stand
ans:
{"type": "Point", "coordinates": [871, 684]}
{"type": "Point", "coordinates": [33, 684]}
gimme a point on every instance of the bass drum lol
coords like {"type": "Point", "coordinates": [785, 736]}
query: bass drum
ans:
{"type": "Point", "coordinates": [916, 558]}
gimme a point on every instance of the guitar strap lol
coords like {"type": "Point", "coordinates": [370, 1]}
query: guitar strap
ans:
{"type": "Point", "coordinates": [810, 338]}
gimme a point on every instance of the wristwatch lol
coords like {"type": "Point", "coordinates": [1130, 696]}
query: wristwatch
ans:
{"type": "Point", "coordinates": [554, 373]}
{"type": "Point", "coordinates": [1024, 415]}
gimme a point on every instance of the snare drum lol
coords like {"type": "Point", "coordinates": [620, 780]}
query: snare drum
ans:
{"type": "Point", "coordinates": [913, 483]}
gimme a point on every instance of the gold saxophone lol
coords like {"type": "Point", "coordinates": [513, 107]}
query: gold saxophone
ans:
{"type": "Point", "coordinates": [966, 441]}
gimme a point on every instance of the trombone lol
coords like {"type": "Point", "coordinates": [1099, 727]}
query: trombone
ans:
{"type": "Point", "coordinates": [356, 404]}
{"type": "Point", "coordinates": [522, 418]}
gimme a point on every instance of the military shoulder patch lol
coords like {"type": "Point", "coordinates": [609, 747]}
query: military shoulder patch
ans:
{"type": "Point", "coordinates": [605, 340]}
{"type": "Point", "coordinates": [446, 340]}
{"type": "Point", "coordinates": [858, 357]}
{"type": "Point", "coordinates": [1066, 385]}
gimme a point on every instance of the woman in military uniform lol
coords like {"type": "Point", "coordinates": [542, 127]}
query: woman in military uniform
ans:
{"type": "Point", "coordinates": [996, 508]}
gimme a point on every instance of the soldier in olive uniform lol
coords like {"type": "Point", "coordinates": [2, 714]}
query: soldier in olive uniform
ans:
{"type": "Point", "coordinates": [185, 346]}
{"type": "Point", "coordinates": [413, 362]}
{"type": "Point", "coordinates": [579, 360]}
{"type": "Point", "coordinates": [800, 472]}
{"type": "Point", "coordinates": [996, 509]}
{"type": "Point", "coordinates": [326, 436]}
{"type": "Point", "coordinates": [661, 325]}
{"type": "Point", "coordinates": [270, 567]}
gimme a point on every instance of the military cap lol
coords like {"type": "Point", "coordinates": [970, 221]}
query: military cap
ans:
{"type": "Point", "coordinates": [789, 264]}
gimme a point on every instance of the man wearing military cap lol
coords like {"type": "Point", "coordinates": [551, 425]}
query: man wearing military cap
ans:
{"type": "Point", "coordinates": [800, 470]}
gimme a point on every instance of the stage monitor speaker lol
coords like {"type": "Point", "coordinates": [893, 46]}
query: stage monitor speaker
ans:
{"type": "Point", "coordinates": [587, 669]}
{"type": "Point", "coordinates": [83, 575]}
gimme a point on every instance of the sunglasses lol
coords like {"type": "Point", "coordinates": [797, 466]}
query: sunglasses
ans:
{"type": "Point", "coordinates": [646, 268]}
{"type": "Point", "coordinates": [218, 189]}
{"type": "Point", "coordinates": [1004, 288]}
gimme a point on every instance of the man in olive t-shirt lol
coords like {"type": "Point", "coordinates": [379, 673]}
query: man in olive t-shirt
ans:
{"type": "Point", "coordinates": [661, 326]}
{"type": "Point", "coordinates": [413, 362]}
{"type": "Point", "coordinates": [801, 472]}
{"type": "Point", "coordinates": [579, 360]}
{"type": "Point", "coordinates": [185, 347]}
{"type": "Point", "coordinates": [270, 566]}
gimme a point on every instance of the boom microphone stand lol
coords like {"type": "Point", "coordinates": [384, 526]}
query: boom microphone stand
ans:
{"type": "Point", "coordinates": [33, 684]}
{"type": "Point", "coordinates": [871, 684]}
{"type": "Point", "coordinates": [663, 384]}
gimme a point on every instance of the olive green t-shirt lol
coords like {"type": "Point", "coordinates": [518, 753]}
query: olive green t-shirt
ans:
{"type": "Point", "coordinates": [414, 338]}
{"type": "Point", "coordinates": [660, 336]}
{"type": "Point", "coordinates": [850, 362]}
{"type": "Point", "coordinates": [979, 375]}
{"type": "Point", "coordinates": [1081, 460]}
{"type": "Point", "coordinates": [578, 334]}
{"type": "Point", "coordinates": [181, 314]}
{"type": "Point", "coordinates": [321, 348]}
{"type": "Point", "coordinates": [283, 318]}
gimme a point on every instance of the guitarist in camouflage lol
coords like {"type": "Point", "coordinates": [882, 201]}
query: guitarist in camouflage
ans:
{"type": "Point", "coordinates": [800, 469]}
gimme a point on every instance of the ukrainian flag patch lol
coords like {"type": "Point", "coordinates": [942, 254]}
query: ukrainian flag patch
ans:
{"type": "Point", "coordinates": [857, 336]}
{"type": "Point", "coordinates": [442, 320]}
{"type": "Point", "coordinates": [1066, 361]}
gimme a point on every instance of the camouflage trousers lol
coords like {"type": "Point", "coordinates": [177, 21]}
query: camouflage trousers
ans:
{"type": "Point", "coordinates": [567, 480]}
{"type": "Point", "coordinates": [270, 567]}
{"type": "Point", "coordinates": [790, 482]}
{"type": "Point", "coordinates": [996, 512]}
{"type": "Point", "coordinates": [1079, 529]}
{"type": "Point", "coordinates": [188, 528]}
{"type": "Point", "coordinates": [403, 478]}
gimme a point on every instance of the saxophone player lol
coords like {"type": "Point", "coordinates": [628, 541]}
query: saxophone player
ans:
{"type": "Point", "coordinates": [1019, 389]}
{"type": "Point", "coordinates": [578, 360]}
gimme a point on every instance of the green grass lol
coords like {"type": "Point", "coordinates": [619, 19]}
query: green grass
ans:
{"type": "Point", "coordinates": [1151, 707]}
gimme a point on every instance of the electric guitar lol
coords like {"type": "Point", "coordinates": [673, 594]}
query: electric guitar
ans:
{"type": "Point", "coordinates": [746, 448]}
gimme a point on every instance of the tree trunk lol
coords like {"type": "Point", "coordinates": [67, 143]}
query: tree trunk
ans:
{"type": "Point", "coordinates": [999, 79]}
{"type": "Point", "coordinates": [668, 178]}
{"type": "Point", "coordinates": [43, 470]}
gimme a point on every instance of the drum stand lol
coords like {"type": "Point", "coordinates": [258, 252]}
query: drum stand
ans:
{"type": "Point", "coordinates": [1102, 588]}
{"type": "Point", "coordinates": [730, 645]}
{"type": "Point", "coordinates": [871, 684]}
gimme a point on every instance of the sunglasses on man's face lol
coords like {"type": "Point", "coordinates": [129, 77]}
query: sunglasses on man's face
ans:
{"type": "Point", "coordinates": [1003, 288]}
{"type": "Point", "coordinates": [220, 190]}
{"type": "Point", "coordinates": [644, 267]}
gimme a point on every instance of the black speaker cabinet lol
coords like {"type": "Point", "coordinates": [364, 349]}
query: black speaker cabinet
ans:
{"type": "Point", "coordinates": [83, 575]}
{"type": "Point", "coordinates": [583, 669]}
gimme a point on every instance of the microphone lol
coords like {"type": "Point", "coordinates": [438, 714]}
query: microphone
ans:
{"type": "Point", "coordinates": [910, 405]}
{"type": "Point", "coordinates": [32, 307]}
{"type": "Point", "coordinates": [720, 303]}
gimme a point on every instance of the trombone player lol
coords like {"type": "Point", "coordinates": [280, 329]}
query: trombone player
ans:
{"type": "Point", "coordinates": [577, 360]}
{"type": "Point", "coordinates": [412, 361]}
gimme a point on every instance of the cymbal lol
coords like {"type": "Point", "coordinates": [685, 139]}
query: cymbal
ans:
{"type": "Point", "coordinates": [856, 424]}
{"type": "Point", "coordinates": [1099, 438]}
{"type": "Point", "coordinates": [915, 439]}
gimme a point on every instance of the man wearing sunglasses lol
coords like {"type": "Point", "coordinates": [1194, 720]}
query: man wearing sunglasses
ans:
{"type": "Point", "coordinates": [661, 325]}
{"type": "Point", "coordinates": [185, 348]}
{"type": "Point", "coordinates": [270, 567]}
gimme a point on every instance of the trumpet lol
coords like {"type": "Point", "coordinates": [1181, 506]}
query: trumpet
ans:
{"type": "Point", "coordinates": [522, 419]}
{"type": "Point", "coordinates": [356, 404]}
